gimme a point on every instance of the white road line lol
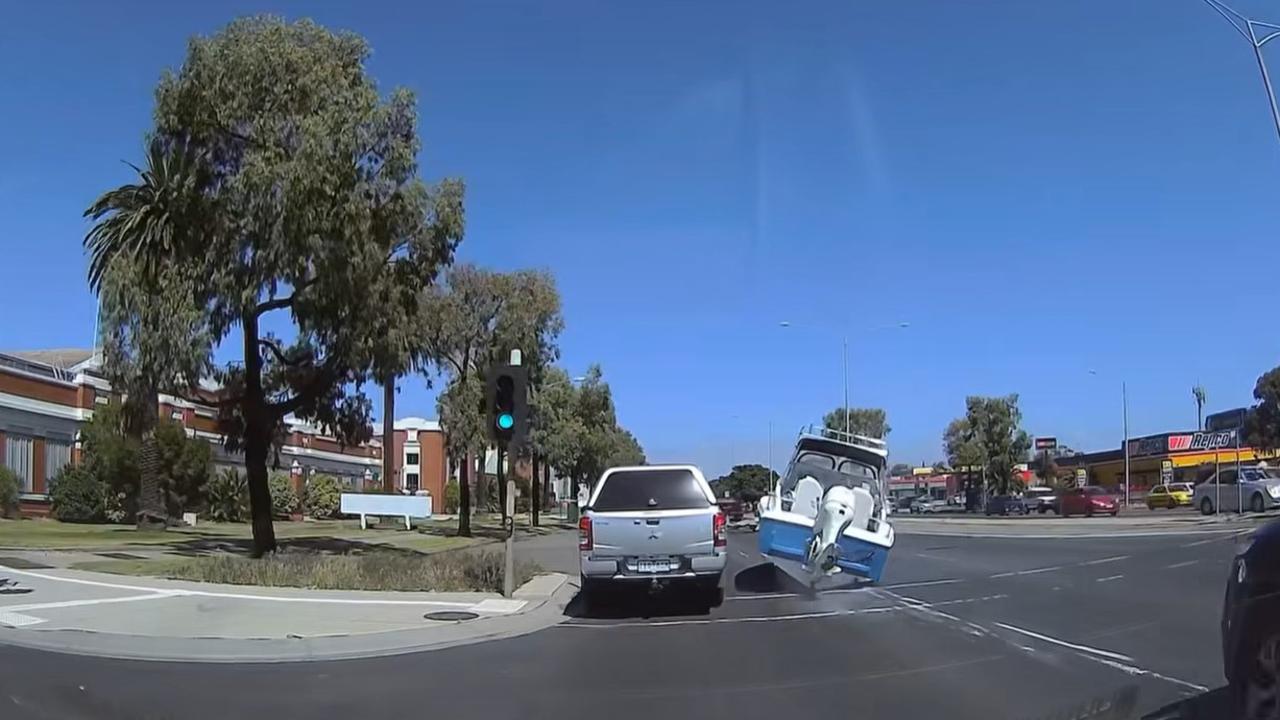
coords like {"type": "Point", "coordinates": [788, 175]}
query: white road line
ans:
{"type": "Point", "coordinates": [743, 554]}
{"type": "Point", "coordinates": [18, 620]}
{"type": "Point", "coordinates": [89, 601]}
{"type": "Point", "coordinates": [242, 596]}
{"type": "Point", "coordinates": [1181, 564]}
{"type": "Point", "coordinates": [1109, 578]}
{"type": "Point", "coordinates": [1130, 669]}
{"type": "Point", "coordinates": [1064, 643]}
{"type": "Point", "coordinates": [1200, 542]}
{"type": "Point", "coordinates": [1033, 571]}
{"type": "Point", "coordinates": [1106, 560]}
{"type": "Point", "coordinates": [1047, 536]}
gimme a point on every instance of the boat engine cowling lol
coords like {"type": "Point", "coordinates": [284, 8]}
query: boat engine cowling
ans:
{"type": "Point", "coordinates": [837, 510]}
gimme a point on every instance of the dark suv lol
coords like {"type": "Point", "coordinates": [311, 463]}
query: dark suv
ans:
{"type": "Point", "coordinates": [1006, 505]}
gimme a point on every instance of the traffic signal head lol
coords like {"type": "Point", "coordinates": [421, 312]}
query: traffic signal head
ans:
{"type": "Point", "coordinates": [507, 408]}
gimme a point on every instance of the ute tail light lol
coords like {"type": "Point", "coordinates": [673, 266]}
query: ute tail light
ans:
{"type": "Point", "coordinates": [719, 531]}
{"type": "Point", "coordinates": [585, 539]}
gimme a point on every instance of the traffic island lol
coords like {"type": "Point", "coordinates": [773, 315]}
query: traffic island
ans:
{"type": "Point", "coordinates": [91, 613]}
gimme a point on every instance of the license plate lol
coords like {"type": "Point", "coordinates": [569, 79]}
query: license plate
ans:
{"type": "Point", "coordinates": [652, 566]}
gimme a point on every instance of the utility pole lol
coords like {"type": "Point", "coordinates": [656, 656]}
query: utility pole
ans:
{"type": "Point", "coordinates": [1124, 401]}
{"type": "Point", "coordinates": [509, 570]}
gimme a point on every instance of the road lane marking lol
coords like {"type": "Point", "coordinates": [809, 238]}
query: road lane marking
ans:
{"type": "Point", "coordinates": [18, 620]}
{"type": "Point", "coordinates": [1200, 542]}
{"type": "Point", "coordinates": [1064, 643]}
{"type": "Point", "coordinates": [1181, 564]}
{"type": "Point", "coordinates": [1106, 560]}
{"type": "Point", "coordinates": [1131, 670]}
{"type": "Point", "coordinates": [1033, 571]}
{"type": "Point", "coordinates": [1109, 578]}
{"type": "Point", "coordinates": [743, 554]}
{"type": "Point", "coordinates": [89, 601]}
{"type": "Point", "coordinates": [247, 596]}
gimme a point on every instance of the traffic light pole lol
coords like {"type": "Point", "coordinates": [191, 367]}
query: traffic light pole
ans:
{"type": "Point", "coordinates": [508, 526]}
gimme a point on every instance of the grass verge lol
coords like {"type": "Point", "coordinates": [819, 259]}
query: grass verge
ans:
{"type": "Point", "coordinates": [390, 570]}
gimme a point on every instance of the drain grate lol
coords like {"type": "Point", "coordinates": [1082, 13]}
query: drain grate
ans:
{"type": "Point", "coordinates": [451, 615]}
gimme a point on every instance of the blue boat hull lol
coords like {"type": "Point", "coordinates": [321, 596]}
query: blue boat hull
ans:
{"type": "Point", "coordinates": [787, 540]}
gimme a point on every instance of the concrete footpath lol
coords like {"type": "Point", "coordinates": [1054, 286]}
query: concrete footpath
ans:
{"type": "Point", "coordinates": [65, 610]}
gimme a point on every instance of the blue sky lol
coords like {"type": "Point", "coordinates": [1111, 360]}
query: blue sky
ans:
{"type": "Point", "coordinates": [1037, 188]}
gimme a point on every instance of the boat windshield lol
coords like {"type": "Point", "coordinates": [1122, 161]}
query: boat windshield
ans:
{"type": "Point", "coordinates": [831, 470]}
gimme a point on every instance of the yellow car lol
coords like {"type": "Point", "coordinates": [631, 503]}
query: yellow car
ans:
{"type": "Point", "coordinates": [1169, 496]}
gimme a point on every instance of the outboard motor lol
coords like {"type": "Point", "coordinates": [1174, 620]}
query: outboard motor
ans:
{"type": "Point", "coordinates": [835, 513]}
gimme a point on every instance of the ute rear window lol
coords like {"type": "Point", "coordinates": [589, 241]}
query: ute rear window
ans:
{"type": "Point", "coordinates": [650, 490]}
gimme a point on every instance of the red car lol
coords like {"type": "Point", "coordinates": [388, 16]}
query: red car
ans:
{"type": "Point", "coordinates": [1088, 501]}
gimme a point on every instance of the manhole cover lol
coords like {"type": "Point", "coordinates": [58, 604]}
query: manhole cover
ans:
{"type": "Point", "coordinates": [451, 615]}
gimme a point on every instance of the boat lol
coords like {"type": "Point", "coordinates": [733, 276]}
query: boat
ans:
{"type": "Point", "coordinates": [827, 513]}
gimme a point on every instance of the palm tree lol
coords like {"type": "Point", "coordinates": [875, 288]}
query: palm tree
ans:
{"type": "Point", "coordinates": [137, 230]}
{"type": "Point", "coordinates": [1197, 391]}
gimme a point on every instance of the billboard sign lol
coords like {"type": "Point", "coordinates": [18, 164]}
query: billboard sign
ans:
{"type": "Point", "coordinates": [1046, 443]}
{"type": "Point", "coordinates": [1082, 477]}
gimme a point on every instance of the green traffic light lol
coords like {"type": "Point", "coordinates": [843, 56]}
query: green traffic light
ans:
{"type": "Point", "coordinates": [506, 421]}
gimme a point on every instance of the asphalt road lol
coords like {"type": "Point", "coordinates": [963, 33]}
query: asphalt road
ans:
{"type": "Point", "coordinates": [960, 628]}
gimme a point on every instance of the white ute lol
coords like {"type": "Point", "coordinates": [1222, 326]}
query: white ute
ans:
{"type": "Point", "coordinates": [650, 525]}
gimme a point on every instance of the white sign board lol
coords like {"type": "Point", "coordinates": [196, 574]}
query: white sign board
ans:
{"type": "Point", "coordinates": [365, 504]}
{"type": "Point", "coordinates": [1082, 477]}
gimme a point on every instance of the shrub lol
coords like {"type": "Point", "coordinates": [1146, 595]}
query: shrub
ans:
{"type": "Point", "coordinates": [456, 571]}
{"type": "Point", "coordinates": [323, 496]}
{"type": "Point", "coordinates": [8, 492]}
{"type": "Point", "coordinates": [284, 499]}
{"type": "Point", "coordinates": [228, 497]}
{"type": "Point", "coordinates": [451, 498]}
{"type": "Point", "coordinates": [77, 496]}
{"type": "Point", "coordinates": [184, 463]}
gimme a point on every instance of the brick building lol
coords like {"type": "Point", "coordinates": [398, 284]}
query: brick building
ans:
{"type": "Point", "coordinates": [46, 396]}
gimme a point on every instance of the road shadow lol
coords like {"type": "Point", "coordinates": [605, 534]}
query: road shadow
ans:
{"type": "Point", "coordinates": [1211, 705]}
{"type": "Point", "coordinates": [638, 602]}
{"type": "Point", "coordinates": [767, 578]}
{"type": "Point", "coordinates": [322, 544]}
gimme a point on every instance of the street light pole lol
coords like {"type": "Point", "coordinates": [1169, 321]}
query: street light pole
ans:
{"type": "Point", "coordinates": [1248, 33]}
{"type": "Point", "coordinates": [1124, 401]}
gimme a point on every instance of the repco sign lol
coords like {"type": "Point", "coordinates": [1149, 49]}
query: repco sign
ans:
{"type": "Point", "coordinates": [1181, 442]}
{"type": "Point", "coordinates": [1201, 441]}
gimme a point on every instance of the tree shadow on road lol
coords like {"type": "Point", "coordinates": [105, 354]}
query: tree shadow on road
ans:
{"type": "Point", "coordinates": [324, 544]}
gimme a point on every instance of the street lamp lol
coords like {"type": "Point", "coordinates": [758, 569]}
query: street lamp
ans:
{"type": "Point", "coordinates": [1246, 28]}
{"type": "Point", "coordinates": [844, 356]}
{"type": "Point", "coordinates": [1124, 405]}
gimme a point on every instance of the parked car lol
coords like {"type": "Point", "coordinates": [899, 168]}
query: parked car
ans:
{"type": "Point", "coordinates": [1251, 624]}
{"type": "Point", "coordinates": [927, 505]}
{"type": "Point", "coordinates": [903, 504]}
{"type": "Point", "coordinates": [1257, 488]}
{"type": "Point", "coordinates": [732, 508]}
{"type": "Point", "coordinates": [1006, 505]}
{"type": "Point", "coordinates": [652, 524]}
{"type": "Point", "coordinates": [1170, 496]}
{"type": "Point", "coordinates": [1092, 500]}
{"type": "Point", "coordinates": [1040, 499]}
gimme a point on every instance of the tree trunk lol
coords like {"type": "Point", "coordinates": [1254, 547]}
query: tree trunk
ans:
{"type": "Point", "coordinates": [388, 434]}
{"type": "Point", "coordinates": [534, 498]}
{"type": "Point", "coordinates": [257, 442]}
{"type": "Point", "coordinates": [548, 496]}
{"type": "Point", "coordinates": [255, 461]}
{"type": "Point", "coordinates": [151, 504]}
{"type": "Point", "coordinates": [464, 497]}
